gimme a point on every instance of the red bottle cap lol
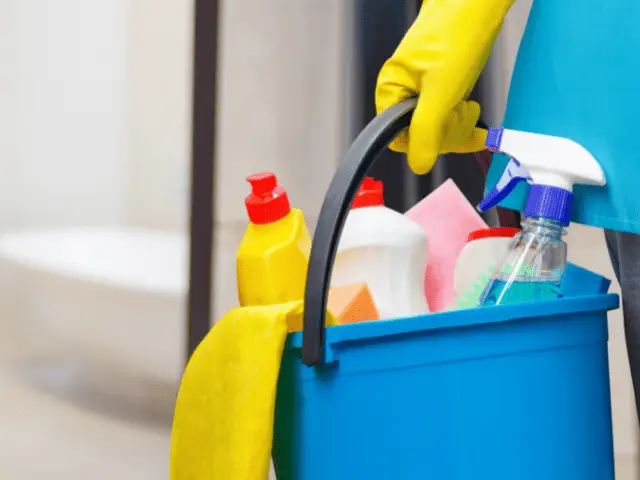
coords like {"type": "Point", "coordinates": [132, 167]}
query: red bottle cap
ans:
{"type": "Point", "coordinates": [500, 232]}
{"type": "Point", "coordinates": [370, 194]}
{"type": "Point", "coordinates": [267, 202]}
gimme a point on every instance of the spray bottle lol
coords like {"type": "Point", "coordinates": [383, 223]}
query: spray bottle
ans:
{"type": "Point", "coordinates": [537, 257]}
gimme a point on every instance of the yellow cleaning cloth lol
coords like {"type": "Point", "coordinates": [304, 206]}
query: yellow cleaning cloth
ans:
{"type": "Point", "coordinates": [223, 421]}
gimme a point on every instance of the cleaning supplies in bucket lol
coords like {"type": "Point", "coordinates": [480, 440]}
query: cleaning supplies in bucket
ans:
{"type": "Point", "coordinates": [509, 365]}
{"type": "Point", "coordinates": [536, 261]}
{"type": "Point", "coordinates": [384, 249]}
{"type": "Point", "coordinates": [576, 281]}
{"type": "Point", "coordinates": [447, 218]}
{"type": "Point", "coordinates": [273, 255]}
{"type": "Point", "coordinates": [496, 393]}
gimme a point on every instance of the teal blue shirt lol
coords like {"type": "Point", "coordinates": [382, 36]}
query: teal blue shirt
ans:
{"type": "Point", "coordinates": [578, 76]}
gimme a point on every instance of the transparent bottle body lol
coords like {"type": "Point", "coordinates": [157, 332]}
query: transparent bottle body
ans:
{"type": "Point", "coordinates": [532, 267]}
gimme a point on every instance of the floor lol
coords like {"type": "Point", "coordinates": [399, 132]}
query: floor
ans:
{"type": "Point", "coordinates": [56, 427]}
{"type": "Point", "coordinates": [627, 469]}
{"type": "Point", "coordinates": [45, 437]}
{"type": "Point", "coordinates": [56, 423]}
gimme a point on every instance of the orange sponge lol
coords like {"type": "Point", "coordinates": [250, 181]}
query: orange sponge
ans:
{"type": "Point", "coordinates": [352, 303]}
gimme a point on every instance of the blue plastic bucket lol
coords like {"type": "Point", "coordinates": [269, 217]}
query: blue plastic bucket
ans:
{"type": "Point", "coordinates": [517, 392]}
{"type": "Point", "coordinates": [502, 393]}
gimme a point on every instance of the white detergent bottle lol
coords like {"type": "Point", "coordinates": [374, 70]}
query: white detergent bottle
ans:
{"type": "Point", "coordinates": [386, 250]}
{"type": "Point", "coordinates": [536, 260]}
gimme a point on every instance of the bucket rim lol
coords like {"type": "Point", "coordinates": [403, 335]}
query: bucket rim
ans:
{"type": "Point", "coordinates": [463, 318]}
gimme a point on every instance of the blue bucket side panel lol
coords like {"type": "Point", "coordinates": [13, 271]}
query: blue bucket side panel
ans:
{"type": "Point", "coordinates": [538, 413]}
{"type": "Point", "coordinates": [466, 343]}
{"type": "Point", "coordinates": [457, 421]}
{"type": "Point", "coordinates": [304, 410]}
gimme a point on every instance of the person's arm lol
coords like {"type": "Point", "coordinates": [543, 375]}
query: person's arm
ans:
{"type": "Point", "coordinates": [440, 59]}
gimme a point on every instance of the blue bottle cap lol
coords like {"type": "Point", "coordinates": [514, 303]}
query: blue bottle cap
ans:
{"type": "Point", "coordinates": [552, 203]}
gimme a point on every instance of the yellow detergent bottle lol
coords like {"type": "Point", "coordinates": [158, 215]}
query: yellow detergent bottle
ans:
{"type": "Point", "coordinates": [274, 253]}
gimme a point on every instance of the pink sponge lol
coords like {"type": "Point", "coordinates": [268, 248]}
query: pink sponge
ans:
{"type": "Point", "coordinates": [447, 218]}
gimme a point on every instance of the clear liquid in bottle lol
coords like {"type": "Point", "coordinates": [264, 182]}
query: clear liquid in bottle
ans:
{"type": "Point", "coordinates": [532, 268]}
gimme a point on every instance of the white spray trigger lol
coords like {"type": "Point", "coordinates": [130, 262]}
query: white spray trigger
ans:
{"type": "Point", "coordinates": [552, 161]}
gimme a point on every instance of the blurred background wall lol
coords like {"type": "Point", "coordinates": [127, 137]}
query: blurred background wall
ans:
{"type": "Point", "coordinates": [95, 130]}
{"type": "Point", "coordinates": [158, 63]}
{"type": "Point", "coordinates": [95, 115]}
{"type": "Point", "coordinates": [283, 106]}
{"type": "Point", "coordinates": [63, 152]}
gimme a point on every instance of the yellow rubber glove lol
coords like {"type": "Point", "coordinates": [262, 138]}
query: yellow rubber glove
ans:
{"type": "Point", "coordinates": [440, 59]}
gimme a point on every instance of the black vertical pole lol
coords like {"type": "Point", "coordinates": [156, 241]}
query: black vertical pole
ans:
{"type": "Point", "coordinates": [202, 171]}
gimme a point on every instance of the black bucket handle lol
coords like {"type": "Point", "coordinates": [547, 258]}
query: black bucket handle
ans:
{"type": "Point", "coordinates": [342, 190]}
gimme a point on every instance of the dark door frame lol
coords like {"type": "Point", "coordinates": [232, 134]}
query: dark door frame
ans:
{"type": "Point", "coordinates": [203, 146]}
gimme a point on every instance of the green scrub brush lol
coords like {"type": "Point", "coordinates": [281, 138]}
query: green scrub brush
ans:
{"type": "Point", "coordinates": [470, 298]}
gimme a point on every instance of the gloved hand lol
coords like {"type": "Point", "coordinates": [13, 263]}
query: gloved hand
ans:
{"type": "Point", "coordinates": [440, 59]}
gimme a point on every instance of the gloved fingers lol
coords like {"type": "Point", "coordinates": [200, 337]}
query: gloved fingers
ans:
{"type": "Point", "coordinates": [474, 143]}
{"type": "Point", "coordinates": [401, 142]}
{"type": "Point", "coordinates": [389, 92]}
{"type": "Point", "coordinates": [460, 124]}
{"type": "Point", "coordinates": [468, 118]}
{"type": "Point", "coordinates": [472, 116]}
{"type": "Point", "coordinates": [436, 128]}
{"type": "Point", "coordinates": [469, 138]}
{"type": "Point", "coordinates": [461, 135]}
{"type": "Point", "coordinates": [387, 95]}
{"type": "Point", "coordinates": [426, 134]}
{"type": "Point", "coordinates": [455, 120]}
{"type": "Point", "coordinates": [394, 85]}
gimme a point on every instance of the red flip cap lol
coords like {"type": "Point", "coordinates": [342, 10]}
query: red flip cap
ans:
{"type": "Point", "coordinates": [267, 202]}
{"type": "Point", "coordinates": [370, 194]}
{"type": "Point", "coordinates": [500, 232]}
